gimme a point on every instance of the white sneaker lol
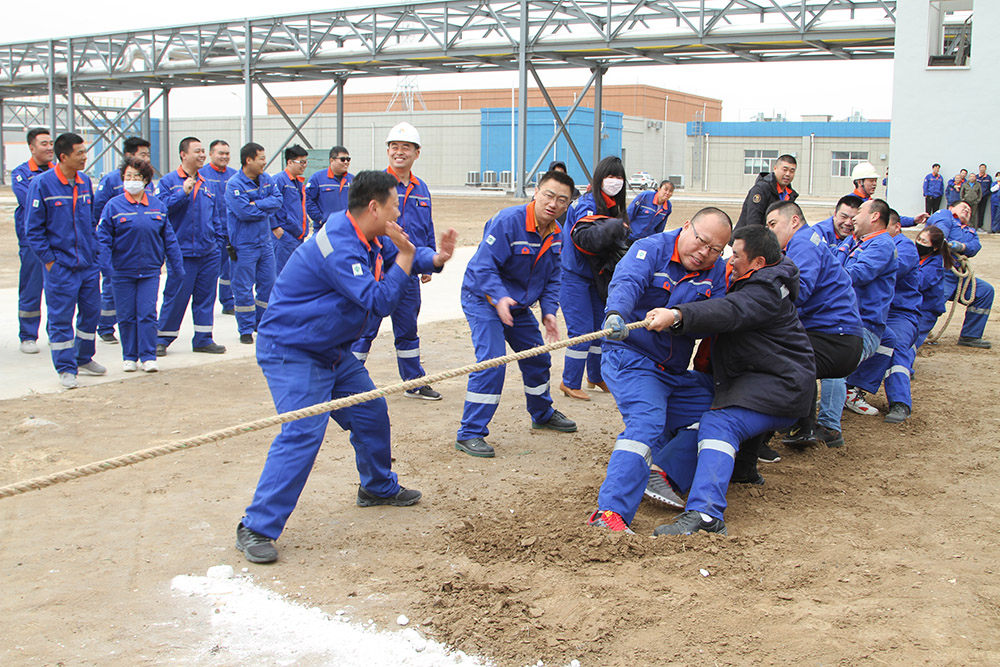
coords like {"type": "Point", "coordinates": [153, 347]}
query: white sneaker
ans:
{"type": "Point", "coordinates": [29, 347]}
{"type": "Point", "coordinates": [92, 368]}
{"type": "Point", "coordinates": [67, 380]}
{"type": "Point", "coordinates": [128, 366]}
{"type": "Point", "coordinates": [856, 402]}
{"type": "Point", "coordinates": [150, 366]}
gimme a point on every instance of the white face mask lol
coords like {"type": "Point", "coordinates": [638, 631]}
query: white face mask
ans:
{"type": "Point", "coordinates": [612, 186]}
{"type": "Point", "coordinates": [134, 187]}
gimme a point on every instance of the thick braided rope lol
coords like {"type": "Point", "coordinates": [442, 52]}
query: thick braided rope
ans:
{"type": "Point", "coordinates": [966, 276]}
{"type": "Point", "coordinates": [311, 411]}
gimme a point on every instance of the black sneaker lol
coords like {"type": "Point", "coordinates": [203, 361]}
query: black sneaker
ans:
{"type": "Point", "coordinates": [424, 392]}
{"type": "Point", "coordinates": [974, 342]}
{"type": "Point", "coordinates": [557, 422]}
{"type": "Point", "coordinates": [109, 338]}
{"type": "Point", "coordinates": [767, 455]}
{"type": "Point", "coordinates": [898, 412]}
{"type": "Point", "coordinates": [211, 348]}
{"type": "Point", "coordinates": [799, 438]}
{"type": "Point", "coordinates": [749, 477]}
{"type": "Point", "coordinates": [829, 437]}
{"type": "Point", "coordinates": [404, 498]}
{"type": "Point", "coordinates": [161, 350]}
{"type": "Point", "coordinates": [228, 311]}
{"type": "Point", "coordinates": [475, 447]}
{"type": "Point", "coordinates": [256, 547]}
{"type": "Point", "coordinates": [691, 522]}
{"type": "Point", "coordinates": [246, 339]}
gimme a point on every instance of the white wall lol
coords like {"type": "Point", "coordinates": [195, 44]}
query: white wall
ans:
{"type": "Point", "coordinates": [659, 151]}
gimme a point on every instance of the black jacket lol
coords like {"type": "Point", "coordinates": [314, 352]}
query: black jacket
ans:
{"type": "Point", "coordinates": [761, 355]}
{"type": "Point", "coordinates": [763, 193]}
{"type": "Point", "coordinates": [603, 241]}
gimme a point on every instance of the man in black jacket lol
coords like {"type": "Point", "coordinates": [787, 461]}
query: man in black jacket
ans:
{"type": "Point", "coordinates": [769, 188]}
{"type": "Point", "coordinates": [763, 368]}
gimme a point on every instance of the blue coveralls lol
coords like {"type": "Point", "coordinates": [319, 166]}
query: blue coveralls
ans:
{"type": "Point", "coordinates": [995, 210]}
{"type": "Point", "coordinates": [647, 372]}
{"type": "Point", "coordinates": [985, 183]}
{"type": "Point", "coordinates": [826, 231]}
{"type": "Point", "coordinates": [109, 186]}
{"type": "Point", "coordinates": [250, 206]}
{"type": "Point", "coordinates": [645, 217]}
{"type": "Point", "coordinates": [326, 194]}
{"type": "Point", "coordinates": [60, 229]}
{"type": "Point", "coordinates": [322, 302]}
{"type": "Point", "coordinates": [904, 313]}
{"type": "Point", "coordinates": [514, 260]}
{"type": "Point", "coordinates": [582, 307]}
{"type": "Point", "coordinates": [416, 219]}
{"type": "Point", "coordinates": [291, 217]}
{"type": "Point", "coordinates": [193, 217]}
{"type": "Point", "coordinates": [933, 299]}
{"type": "Point", "coordinates": [217, 180]}
{"type": "Point", "coordinates": [31, 277]}
{"type": "Point", "coordinates": [136, 237]}
{"type": "Point", "coordinates": [978, 312]}
{"type": "Point", "coordinates": [952, 193]}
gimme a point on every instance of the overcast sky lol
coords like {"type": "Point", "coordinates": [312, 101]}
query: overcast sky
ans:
{"type": "Point", "coordinates": [837, 87]}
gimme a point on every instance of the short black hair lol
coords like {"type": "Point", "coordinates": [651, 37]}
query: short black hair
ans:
{"type": "Point", "coordinates": [893, 213]}
{"type": "Point", "coordinates": [34, 132]}
{"type": "Point", "coordinates": [337, 150]}
{"type": "Point", "coordinates": [881, 207]}
{"type": "Point", "coordinates": [965, 170]}
{"type": "Point", "coordinates": [217, 142]}
{"type": "Point", "coordinates": [712, 210]}
{"type": "Point", "coordinates": [664, 182]}
{"type": "Point", "coordinates": [294, 152]}
{"type": "Point", "coordinates": [983, 164]}
{"type": "Point", "coordinates": [559, 177]}
{"type": "Point", "coordinates": [65, 143]}
{"type": "Point", "coordinates": [249, 152]}
{"type": "Point", "coordinates": [782, 205]}
{"type": "Point", "coordinates": [370, 185]}
{"type": "Point", "coordinates": [786, 158]}
{"type": "Point", "coordinates": [144, 168]}
{"type": "Point", "coordinates": [132, 145]}
{"type": "Point", "coordinates": [935, 165]}
{"type": "Point", "coordinates": [853, 201]}
{"type": "Point", "coordinates": [555, 164]}
{"type": "Point", "coordinates": [759, 242]}
{"type": "Point", "coordinates": [186, 143]}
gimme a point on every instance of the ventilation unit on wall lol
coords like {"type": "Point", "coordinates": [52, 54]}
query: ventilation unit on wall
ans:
{"type": "Point", "coordinates": [506, 179]}
{"type": "Point", "coordinates": [677, 180]}
{"type": "Point", "coordinates": [472, 178]}
{"type": "Point", "coordinates": [489, 179]}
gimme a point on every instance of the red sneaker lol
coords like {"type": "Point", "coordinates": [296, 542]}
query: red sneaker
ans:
{"type": "Point", "coordinates": [610, 520]}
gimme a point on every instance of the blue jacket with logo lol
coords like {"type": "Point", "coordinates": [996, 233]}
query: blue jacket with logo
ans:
{"type": "Point", "coordinates": [136, 236]}
{"type": "Point", "coordinates": [333, 286]}
{"type": "Point", "coordinates": [249, 210]}
{"type": "Point", "coordinates": [956, 230]}
{"type": "Point", "coordinates": [645, 217]}
{"type": "Point", "coordinates": [515, 261]}
{"type": "Point", "coordinates": [216, 180]}
{"type": "Point", "coordinates": [326, 194]}
{"type": "Point", "coordinates": [826, 301]}
{"type": "Point", "coordinates": [111, 185]}
{"type": "Point", "coordinates": [21, 177]}
{"type": "Point", "coordinates": [871, 264]}
{"type": "Point", "coordinates": [953, 193]}
{"type": "Point", "coordinates": [906, 299]}
{"type": "Point", "coordinates": [652, 276]}
{"type": "Point", "coordinates": [292, 215]}
{"type": "Point", "coordinates": [59, 225]}
{"type": "Point", "coordinates": [415, 215]}
{"type": "Point", "coordinates": [573, 260]}
{"type": "Point", "coordinates": [826, 230]}
{"type": "Point", "coordinates": [933, 185]}
{"type": "Point", "coordinates": [193, 215]}
{"type": "Point", "coordinates": [933, 299]}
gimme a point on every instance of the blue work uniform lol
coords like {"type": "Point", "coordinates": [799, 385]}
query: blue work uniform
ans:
{"type": "Point", "coordinates": [513, 260]}
{"type": "Point", "coordinates": [933, 300]}
{"type": "Point", "coordinates": [31, 278]}
{"type": "Point", "coordinates": [216, 179]}
{"type": "Point", "coordinates": [646, 217]}
{"type": "Point", "coordinates": [995, 208]}
{"type": "Point", "coordinates": [325, 298]}
{"type": "Point", "coordinates": [985, 183]}
{"type": "Point", "coordinates": [326, 194]}
{"type": "Point", "coordinates": [826, 302]}
{"type": "Point", "coordinates": [647, 372]}
{"type": "Point", "coordinates": [291, 217]}
{"type": "Point", "coordinates": [193, 217]}
{"type": "Point", "coordinates": [860, 193]}
{"type": "Point", "coordinates": [60, 228]}
{"type": "Point", "coordinates": [933, 185]}
{"type": "Point", "coordinates": [953, 192]}
{"type": "Point", "coordinates": [828, 233]}
{"type": "Point", "coordinates": [978, 312]}
{"type": "Point", "coordinates": [249, 206]}
{"type": "Point", "coordinates": [417, 221]}
{"type": "Point", "coordinates": [136, 237]}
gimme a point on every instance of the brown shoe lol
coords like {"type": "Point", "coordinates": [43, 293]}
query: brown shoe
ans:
{"type": "Point", "coordinates": [574, 393]}
{"type": "Point", "coordinates": [603, 386]}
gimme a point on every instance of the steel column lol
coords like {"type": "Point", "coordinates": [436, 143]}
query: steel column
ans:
{"type": "Point", "coordinates": [52, 91]}
{"type": "Point", "coordinates": [165, 133]}
{"type": "Point", "coordinates": [146, 127]}
{"type": "Point", "coordinates": [70, 105]}
{"type": "Point", "coordinates": [247, 80]}
{"type": "Point", "coordinates": [561, 125]}
{"type": "Point", "coordinates": [3, 153]}
{"type": "Point", "coordinates": [598, 109]}
{"type": "Point", "coordinates": [340, 110]}
{"type": "Point", "coordinates": [522, 106]}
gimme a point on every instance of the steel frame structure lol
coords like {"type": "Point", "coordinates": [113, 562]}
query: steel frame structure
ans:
{"type": "Point", "coordinates": [450, 36]}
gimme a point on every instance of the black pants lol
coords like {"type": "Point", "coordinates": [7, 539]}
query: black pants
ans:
{"type": "Point", "coordinates": [984, 205]}
{"type": "Point", "coordinates": [932, 204]}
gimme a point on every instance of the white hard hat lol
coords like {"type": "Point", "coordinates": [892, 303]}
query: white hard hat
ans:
{"type": "Point", "coordinates": [404, 132]}
{"type": "Point", "coordinates": [863, 170]}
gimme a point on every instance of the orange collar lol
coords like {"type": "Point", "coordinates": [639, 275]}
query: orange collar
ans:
{"type": "Point", "coordinates": [184, 176]}
{"type": "Point", "coordinates": [413, 179]}
{"type": "Point", "coordinates": [294, 178]}
{"type": "Point", "coordinates": [221, 171]}
{"type": "Point", "coordinates": [64, 180]}
{"type": "Point", "coordinates": [872, 235]}
{"type": "Point", "coordinates": [609, 201]}
{"type": "Point", "coordinates": [529, 221]}
{"type": "Point", "coordinates": [144, 201]}
{"type": "Point", "coordinates": [357, 230]}
{"type": "Point", "coordinates": [33, 166]}
{"type": "Point", "coordinates": [330, 174]}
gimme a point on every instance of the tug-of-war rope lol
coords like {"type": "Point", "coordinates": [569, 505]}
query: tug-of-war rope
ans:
{"type": "Point", "coordinates": [311, 411]}
{"type": "Point", "coordinates": [966, 276]}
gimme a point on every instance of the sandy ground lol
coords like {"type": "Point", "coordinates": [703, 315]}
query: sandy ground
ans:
{"type": "Point", "coordinates": [883, 552]}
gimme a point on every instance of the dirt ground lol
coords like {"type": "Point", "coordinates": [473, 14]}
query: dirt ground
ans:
{"type": "Point", "coordinates": [883, 552]}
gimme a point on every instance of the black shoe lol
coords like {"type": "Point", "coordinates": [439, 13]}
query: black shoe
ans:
{"type": "Point", "coordinates": [404, 498]}
{"type": "Point", "coordinates": [109, 338]}
{"type": "Point", "coordinates": [246, 339]}
{"type": "Point", "coordinates": [691, 522]}
{"type": "Point", "coordinates": [161, 350]}
{"type": "Point", "coordinates": [211, 348]}
{"type": "Point", "coordinates": [974, 342]}
{"type": "Point", "coordinates": [898, 412]}
{"type": "Point", "coordinates": [767, 455]}
{"type": "Point", "coordinates": [475, 447]}
{"type": "Point", "coordinates": [829, 437]}
{"type": "Point", "coordinates": [557, 422]}
{"type": "Point", "coordinates": [256, 547]}
{"type": "Point", "coordinates": [424, 392]}
{"type": "Point", "coordinates": [228, 311]}
{"type": "Point", "coordinates": [751, 477]}
{"type": "Point", "coordinates": [799, 438]}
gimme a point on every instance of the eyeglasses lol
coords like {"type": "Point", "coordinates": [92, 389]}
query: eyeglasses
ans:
{"type": "Point", "coordinates": [704, 243]}
{"type": "Point", "coordinates": [343, 159]}
{"type": "Point", "coordinates": [304, 163]}
{"type": "Point", "coordinates": [548, 195]}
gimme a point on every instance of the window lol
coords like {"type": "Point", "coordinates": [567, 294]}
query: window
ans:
{"type": "Point", "coordinates": [845, 161]}
{"type": "Point", "coordinates": [950, 37]}
{"type": "Point", "coordinates": [757, 161]}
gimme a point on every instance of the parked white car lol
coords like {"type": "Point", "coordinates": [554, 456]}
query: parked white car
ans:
{"type": "Point", "coordinates": [641, 180]}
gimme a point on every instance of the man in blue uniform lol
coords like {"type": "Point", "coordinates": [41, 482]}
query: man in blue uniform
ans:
{"type": "Point", "coordinates": [953, 192]}
{"type": "Point", "coordinates": [60, 230]}
{"type": "Point", "coordinates": [403, 148]}
{"type": "Point", "coordinates": [933, 189]}
{"type": "Point", "coordinates": [840, 225]}
{"type": "Point", "coordinates": [646, 370]}
{"type": "Point", "coordinates": [516, 265]}
{"type": "Point", "coordinates": [251, 201]}
{"type": "Point", "coordinates": [327, 190]}
{"type": "Point", "coordinates": [192, 210]}
{"type": "Point", "coordinates": [31, 277]}
{"type": "Point", "coordinates": [962, 238]}
{"type": "Point", "coordinates": [648, 212]}
{"type": "Point", "coordinates": [355, 268]}
{"type": "Point", "coordinates": [216, 174]}
{"type": "Point", "coordinates": [111, 186]}
{"type": "Point", "coordinates": [985, 182]}
{"type": "Point", "coordinates": [293, 226]}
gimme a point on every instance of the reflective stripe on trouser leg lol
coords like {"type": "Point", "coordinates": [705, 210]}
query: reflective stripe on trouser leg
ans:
{"type": "Point", "coordinates": [64, 290]}
{"type": "Point", "coordinates": [361, 347]}
{"type": "Point", "coordinates": [404, 328]}
{"type": "Point", "coordinates": [577, 298]}
{"type": "Point", "coordinates": [524, 335]}
{"type": "Point", "coordinates": [978, 312]}
{"type": "Point", "coordinates": [265, 275]}
{"type": "Point", "coordinates": [203, 300]}
{"type": "Point", "coordinates": [109, 314]}
{"type": "Point", "coordinates": [88, 311]}
{"type": "Point", "coordinates": [31, 279]}
{"type": "Point", "coordinates": [225, 275]}
{"type": "Point", "coordinates": [483, 387]}
{"type": "Point", "coordinates": [869, 373]}
{"type": "Point", "coordinates": [897, 377]}
{"type": "Point", "coordinates": [176, 296]}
